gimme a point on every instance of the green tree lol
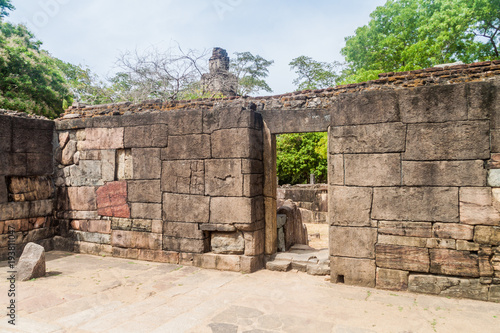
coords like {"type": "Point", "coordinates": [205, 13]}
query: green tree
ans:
{"type": "Point", "coordinates": [5, 6]}
{"type": "Point", "coordinates": [299, 155]}
{"type": "Point", "coordinates": [30, 79]}
{"type": "Point", "coordinates": [314, 74]}
{"type": "Point", "coordinates": [251, 72]}
{"type": "Point", "coordinates": [413, 34]}
{"type": "Point", "coordinates": [86, 86]}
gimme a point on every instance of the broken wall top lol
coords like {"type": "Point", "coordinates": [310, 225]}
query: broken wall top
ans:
{"type": "Point", "coordinates": [306, 99]}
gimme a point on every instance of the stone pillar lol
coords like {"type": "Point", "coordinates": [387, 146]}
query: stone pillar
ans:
{"type": "Point", "coordinates": [270, 189]}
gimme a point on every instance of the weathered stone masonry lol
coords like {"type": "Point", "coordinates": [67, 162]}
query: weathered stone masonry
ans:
{"type": "Point", "coordinates": [412, 180]}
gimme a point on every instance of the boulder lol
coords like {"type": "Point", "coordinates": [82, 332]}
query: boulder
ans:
{"type": "Point", "coordinates": [32, 263]}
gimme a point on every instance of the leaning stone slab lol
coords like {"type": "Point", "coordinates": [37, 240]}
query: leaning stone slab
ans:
{"type": "Point", "coordinates": [32, 263]}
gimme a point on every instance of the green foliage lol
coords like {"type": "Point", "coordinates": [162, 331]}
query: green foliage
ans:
{"type": "Point", "coordinates": [299, 155]}
{"type": "Point", "coordinates": [413, 34]}
{"type": "Point", "coordinates": [5, 6]}
{"type": "Point", "coordinates": [314, 74]}
{"type": "Point", "coordinates": [251, 72]}
{"type": "Point", "coordinates": [30, 79]}
{"type": "Point", "coordinates": [85, 86]}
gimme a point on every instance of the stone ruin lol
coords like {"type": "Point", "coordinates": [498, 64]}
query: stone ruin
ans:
{"type": "Point", "coordinates": [220, 80]}
{"type": "Point", "coordinates": [414, 180]}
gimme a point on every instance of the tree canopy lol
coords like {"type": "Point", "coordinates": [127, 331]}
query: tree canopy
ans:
{"type": "Point", "coordinates": [413, 34]}
{"type": "Point", "coordinates": [251, 71]}
{"type": "Point", "coordinates": [313, 74]}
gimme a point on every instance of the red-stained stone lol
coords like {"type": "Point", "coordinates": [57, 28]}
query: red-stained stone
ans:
{"type": "Point", "coordinates": [112, 200]}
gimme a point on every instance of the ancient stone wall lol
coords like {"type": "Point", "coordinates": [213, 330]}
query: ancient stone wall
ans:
{"type": "Point", "coordinates": [26, 187]}
{"type": "Point", "coordinates": [413, 198]}
{"type": "Point", "coordinates": [164, 186]}
{"type": "Point", "coordinates": [312, 201]}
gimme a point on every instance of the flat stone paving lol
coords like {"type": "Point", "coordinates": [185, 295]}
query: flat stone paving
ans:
{"type": "Point", "coordinates": [84, 293]}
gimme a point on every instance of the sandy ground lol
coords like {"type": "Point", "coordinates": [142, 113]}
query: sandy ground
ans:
{"type": "Point", "coordinates": [83, 293]}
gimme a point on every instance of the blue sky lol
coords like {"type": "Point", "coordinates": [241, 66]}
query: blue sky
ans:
{"type": "Point", "coordinates": [95, 32]}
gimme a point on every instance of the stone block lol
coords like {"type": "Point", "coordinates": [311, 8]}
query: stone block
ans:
{"type": "Point", "coordinates": [494, 294]}
{"type": "Point", "coordinates": [410, 229]}
{"type": "Point", "coordinates": [452, 230]}
{"type": "Point", "coordinates": [487, 235]}
{"type": "Point", "coordinates": [279, 265]}
{"type": "Point", "coordinates": [41, 208]}
{"type": "Point", "coordinates": [183, 122]}
{"type": "Point", "coordinates": [219, 227]}
{"type": "Point", "coordinates": [269, 164]}
{"type": "Point", "coordinates": [79, 198]}
{"type": "Point", "coordinates": [28, 188]}
{"type": "Point", "coordinates": [444, 173]}
{"type": "Point", "coordinates": [39, 164]}
{"type": "Point", "coordinates": [223, 178]}
{"type": "Point", "coordinates": [92, 248]}
{"type": "Point", "coordinates": [63, 244]}
{"type": "Point", "coordinates": [271, 225]}
{"type": "Point", "coordinates": [366, 107]}
{"type": "Point", "coordinates": [145, 211]}
{"type": "Point", "coordinates": [150, 136]}
{"type": "Point", "coordinates": [479, 206]}
{"type": "Point", "coordinates": [448, 141]}
{"type": "Point", "coordinates": [31, 264]}
{"type": "Point", "coordinates": [401, 240]}
{"type": "Point", "coordinates": [451, 262]}
{"type": "Point", "coordinates": [494, 177]}
{"type": "Point", "coordinates": [90, 237]}
{"type": "Point", "coordinates": [406, 258]}
{"type": "Point", "coordinates": [466, 246]}
{"type": "Point", "coordinates": [144, 191]}
{"type": "Point", "coordinates": [353, 242]}
{"type": "Point", "coordinates": [448, 286]}
{"type": "Point", "coordinates": [112, 200]}
{"type": "Point", "coordinates": [92, 226]}
{"type": "Point", "coordinates": [485, 266]}
{"type": "Point", "coordinates": [13, 164]}
{"type": "Point", "coordinates": [254, 242]}
{"type": "Point", "coordinates": [31, 140]}
{"type": "Point", "coordinates": [206, 260]}
{"type": "Point", "coordinates": [253, 185]}
{"type": "Point", "coordinates": [183, 177]}
{"type": "Point", "coordinates": [377, 138]}
{"type": "Point", "coordinates": [433, 104]}
{"type": "Point", "coordinates": [251, 264]}
{"type": "Point", "coordinates": [187, 147]}
{"type": "Point", "coordinates": [479, 100]}
{"type": "Point", "coordinates": [186, 245]}
{"type": "Point", "coordinates": [233, 117]}
{"type": "Point", "coordinates": [373, 169]}
{"type": "Point", "coordinates": [108, 165]}
{"type": "Point", "coordinates": [4, 193]}
{"type": "Point", "coordinates": [186, 208]}
{"type": "Point", "coordinates": [438, 204]}
{"type": "Point", "coordinates": [86, 173]}
{"type": "Point", "coordinates": [146, 163]}
{"type": "Point", "coordinates": [227, 243]}
{"type": "Point", "coordinates": [356, 272]}
{"type": "Point", "coordinates": [183, 230]}
{"type": "Point", "coordinates": [252, 166]}
{"type": "Point", "coordinates": [236, 209]}
{"type": "Point", "coordinates": [228, 263]}
{"type": "Point", "coordinates": [124, 164]}
{"type": "Point", "coordinates": [237, 143]}
{"type": "Point", "coordinates": [336, 169]}
{"type": "Point", "coordinates": [136, 240]}
{"type": "Point", "coordinates": [391, 279]}
{"type": "Point", "coordinates": [167, 257]}
{"type": "Point", "coordinates": [5, 133]}
{"type": "Point", "coordinates": [440, 243]}
{"type": "Point", "coordinates": [495, 140]}
{"type": "Point", "coordinates": [102, 138]}
{"type": "Point", "coordinates": [68, 152]}
{"type": "Point", "coordinates": [350, 206]}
